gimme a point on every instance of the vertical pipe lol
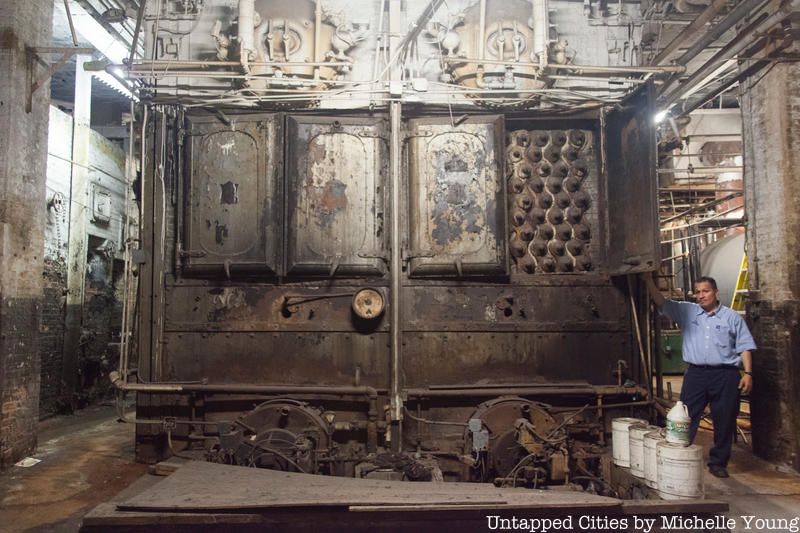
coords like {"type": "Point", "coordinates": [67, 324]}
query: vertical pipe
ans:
{"type": "Point", "coordinates": [638, 330]}
{"type": "Point", "coordinates": [541, 25]}
{"type": "Point", "coordinates": [657, 352]}
{"type": "Point", "coordinates": [78, 230]}
{"type": "Point", "coordinates": [395, 152]}
{"type": "Point", "coordinates": [247, 13]}
{"type": "Point", "coordinates": [396, 267]}
{"type": "Point", "coordinates": [317, 38]}
{"type": "Point", "coordinates": [482, 32]}
{"type": "Point", "coordinates": [126, 277]}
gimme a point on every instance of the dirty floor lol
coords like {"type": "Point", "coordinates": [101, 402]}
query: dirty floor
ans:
{"type": "Point", "coordinates": [87, 458]}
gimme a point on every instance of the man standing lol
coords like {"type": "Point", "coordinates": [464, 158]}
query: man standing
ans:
{"type": "Point", "coordinates": [716, 342]}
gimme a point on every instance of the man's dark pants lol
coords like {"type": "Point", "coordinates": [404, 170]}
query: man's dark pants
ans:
{"type": "Point", "coordinates": [719, 387]}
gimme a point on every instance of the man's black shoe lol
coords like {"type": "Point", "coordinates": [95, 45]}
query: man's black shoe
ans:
{"type": "Point", "coordinates": [718, 471]}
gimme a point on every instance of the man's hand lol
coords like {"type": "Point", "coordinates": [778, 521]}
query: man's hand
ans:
{"type": "Point", "coordinates": [746, 384]}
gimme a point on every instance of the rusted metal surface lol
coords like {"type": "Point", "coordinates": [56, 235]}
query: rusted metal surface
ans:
{"type": "Point", "coordinates": [470, 327]}
{"type": "Point", "coordinates": [630, 160]}
{"type": "Point", "coordinates": [335, 203]}
{"type": "Point", "coordinates": [299, 358]}
{"type": "Point", "coordinates": [530, 308]}
{"type": "Point", "coordinates": [484, 357]}
{"type": "Point", "coordinates": [552, 176]}
{"type": "Point", "coordinates": [232, 202]}
{"type": "Point", "coordinates": [266, 308]}
{"type": "Point", "coordinates": [456, 223]}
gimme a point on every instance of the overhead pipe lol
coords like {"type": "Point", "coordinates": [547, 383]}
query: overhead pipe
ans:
{"type": "Point", "coordinates": [665, 69]}
{"type": "Point", "coordinates": [731, 19]}
{"type": "Point", "coordinates": [745, 39]}
{"type": "Point", "coordinates": [689, 31]}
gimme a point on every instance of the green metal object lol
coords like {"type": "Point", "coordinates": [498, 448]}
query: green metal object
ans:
{"type": "Point", "coordinates": [671, 352]}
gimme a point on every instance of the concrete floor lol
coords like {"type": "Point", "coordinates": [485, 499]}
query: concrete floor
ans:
{"type": "Point", "coordinates": [87, 458]}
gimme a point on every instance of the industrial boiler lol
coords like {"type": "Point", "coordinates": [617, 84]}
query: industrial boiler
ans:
{"type": "Point", "coordinates": [391, 243]}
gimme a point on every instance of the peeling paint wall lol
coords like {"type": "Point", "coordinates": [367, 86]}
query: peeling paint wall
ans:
{"type": "Point", "coordinates": [23, 145]}
{"type": "Point", "coordinates": [98, 347]}
{"type": "Point", "coordinates": [771, 117]}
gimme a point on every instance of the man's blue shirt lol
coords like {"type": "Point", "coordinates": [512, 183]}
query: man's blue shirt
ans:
{"type": "Point", "coordinates": [715, 338]}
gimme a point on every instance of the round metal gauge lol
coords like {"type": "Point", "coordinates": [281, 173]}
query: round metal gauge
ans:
{"type": "Point", "coordinates": [368, 303]}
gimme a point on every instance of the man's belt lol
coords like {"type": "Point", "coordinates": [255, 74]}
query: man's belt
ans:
{"type": "Point", "coordinates": [729, 367]}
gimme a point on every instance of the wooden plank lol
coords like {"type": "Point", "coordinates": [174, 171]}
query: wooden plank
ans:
{"type": "Point", "coordinates": [209, 486]}
{"type": "Point", "coordinates": [644, 507]}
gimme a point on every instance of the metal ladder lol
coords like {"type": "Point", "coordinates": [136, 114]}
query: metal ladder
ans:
{"type": "Point", "coordinates": [740, 292]}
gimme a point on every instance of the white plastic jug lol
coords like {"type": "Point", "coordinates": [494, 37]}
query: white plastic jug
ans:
{"type": "Point", "coordinates": [678, 424]}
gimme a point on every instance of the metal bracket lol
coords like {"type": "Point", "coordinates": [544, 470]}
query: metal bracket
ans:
{"type": "Point", "coordinates": [34, 57]}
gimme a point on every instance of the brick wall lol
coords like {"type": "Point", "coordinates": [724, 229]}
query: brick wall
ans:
{"type": "Point", "coordinates": [23, 148]}
{"type": "Point", "coordinates": [771, 117]}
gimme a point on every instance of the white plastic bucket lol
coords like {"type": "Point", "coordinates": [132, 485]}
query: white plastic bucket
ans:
{"type": "Point", "coordinates": [650, 442]}
{"type": "Point", "coordinates": [680, 471]}
{"type": "Point", "coordinates": [620, 445]}
{"type": "Point", "coordinates": [636, 435]}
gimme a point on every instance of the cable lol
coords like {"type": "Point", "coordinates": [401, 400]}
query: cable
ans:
{"type": "Point", "coordinates": [433, 422]}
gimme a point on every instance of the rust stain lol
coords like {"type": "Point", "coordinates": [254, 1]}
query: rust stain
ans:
{"type": "Point", "coordinates": [328, 200]}
{"type": "Point", "coordinates": [457, 210]}
{"type": "Point", "coordinates": [229, 304]}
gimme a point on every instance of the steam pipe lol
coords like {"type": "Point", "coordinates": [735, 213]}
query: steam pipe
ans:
{"type": "Point", "coordinates": [666, 69]}
{"type": "Point", "coordinates": [689, 31]}
{"type": "Point", "coordinates": [605, 390]}
{"type": "Point", "coordinates": [482, 32]}
{"type": "Point", "coordinates": [540, 33]}
{"type": "Point", "coordinates": [247, 16]}
{"type": "Point", "coordinates": [119, 383]}
{"type": "Point", "coordinates": [732, 18]}
{"type": "Point", "coordinates": [396, 264]}
{"type": "Point", "coordinates": [317, 37]}
{"type": "Point", "coordinates": [139, 19]}
{"type": "Point", "coordinates": [745, 39]}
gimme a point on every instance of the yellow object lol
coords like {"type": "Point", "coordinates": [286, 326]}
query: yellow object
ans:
{"type": "Point", "coordinates": [737, 302]}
